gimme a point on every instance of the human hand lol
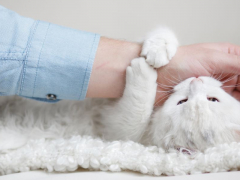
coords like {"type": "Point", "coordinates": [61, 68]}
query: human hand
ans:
{"type": "Point", "coordinates": [219, 60]}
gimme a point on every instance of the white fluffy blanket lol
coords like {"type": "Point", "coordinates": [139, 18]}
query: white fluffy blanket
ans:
{"type": "Point", "coordinates": [86, 152]}
{"type": "Point", "coordinates": [67, 154]}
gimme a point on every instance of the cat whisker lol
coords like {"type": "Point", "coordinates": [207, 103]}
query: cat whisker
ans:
{"type": "Point", "coordinates": [218, 77]}
{"type": "Point", "coordinates": [222, 77]}
{"type": "Point", "coordinates": [178, 80]}
{"type": "Point", "coordinates": [232, 86]}
{"type": "Point", "coordinates": [179, 77]}
{"type": "Point", "coordinates": [164, 86]}
{"type": "Point", "coordinates": [230, 74]}
{"type": "Point", "coordinates": [164, 97]}
{"type": "Point", "coordinates": [166, 91]}
{"type": "Point", "coordinates": [212, 75]}
{"type": "Point", "coordinates": [175, 83]}
{"type": "Point", "coordinates": [229, 79]}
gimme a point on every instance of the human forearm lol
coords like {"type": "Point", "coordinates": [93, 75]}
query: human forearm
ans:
{"type": "Point", "coordinates": [108, 73]}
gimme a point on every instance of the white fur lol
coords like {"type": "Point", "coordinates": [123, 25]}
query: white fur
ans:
{"type": "Point", "coordinates": [194, 125]}
{"type": "Point", "coordinates": [197, 123]}
{"type": "Point", "coordinates": [159, 47]}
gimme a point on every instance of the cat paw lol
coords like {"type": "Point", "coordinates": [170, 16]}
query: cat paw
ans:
{"type": "Point", "coordinates": [141, 88]}
{"type": "Point", "coordinates": [140, 72]}
{"type": "Point", "coordinates": [159, 47]}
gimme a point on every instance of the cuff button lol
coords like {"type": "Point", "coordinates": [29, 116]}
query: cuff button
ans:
{"type": "Point", "coordinates": [51, 97]}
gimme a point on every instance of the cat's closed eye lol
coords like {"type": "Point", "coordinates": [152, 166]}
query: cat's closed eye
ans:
{"type": "Point", "coordinates": [213, 99]}
{"type": "Point", "coordinates": [182, 101]}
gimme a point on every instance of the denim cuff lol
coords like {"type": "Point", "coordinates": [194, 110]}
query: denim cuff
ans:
{"type": "Point", "coordinates": [58, 63]}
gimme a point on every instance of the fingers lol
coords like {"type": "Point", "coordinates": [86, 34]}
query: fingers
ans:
{"type": "Point", "coordinates": [233, 49]}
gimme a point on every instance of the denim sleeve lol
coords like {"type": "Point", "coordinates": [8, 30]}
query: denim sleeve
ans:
{"type": "Point", "coordinates": [44, 61]}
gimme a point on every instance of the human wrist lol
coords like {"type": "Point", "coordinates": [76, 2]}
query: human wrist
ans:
{"type": "Point", "coordinates": [108, 72]}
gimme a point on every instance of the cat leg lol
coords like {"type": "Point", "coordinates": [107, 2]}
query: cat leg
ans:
{"type": "Point", "coordinates": [159, 47]}
{"type": "Point", "coordinates": [127, 118]}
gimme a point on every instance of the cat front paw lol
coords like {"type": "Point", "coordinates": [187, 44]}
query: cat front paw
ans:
{"type": "Point", "coordinates": [140, 73]}
{"type": "Point", "coordinates": [159, 47]}
{"type": "Point", "coordinates": [141, 88]}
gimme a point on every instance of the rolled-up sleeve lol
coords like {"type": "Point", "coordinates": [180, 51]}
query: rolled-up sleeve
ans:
{"type": "Point", "coordinates": [42, 60]}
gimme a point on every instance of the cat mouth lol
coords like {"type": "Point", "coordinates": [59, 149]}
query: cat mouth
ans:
{"type": "Point", "coordinates": [187, 151]}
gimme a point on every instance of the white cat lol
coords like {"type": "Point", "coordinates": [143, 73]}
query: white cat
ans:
{"type": "Point", "coordinates": [197, 115]}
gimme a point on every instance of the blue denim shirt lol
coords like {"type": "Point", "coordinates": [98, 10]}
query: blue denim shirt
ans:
{"type": "Point", "coordinates": [44, 61]}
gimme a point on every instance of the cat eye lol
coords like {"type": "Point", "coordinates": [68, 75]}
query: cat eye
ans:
{"type": "Point", "coordinates": [213, 99]}
{"type": "Point", "coordinates": [182, 101]}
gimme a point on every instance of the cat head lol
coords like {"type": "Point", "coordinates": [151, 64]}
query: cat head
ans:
{"type": "Point", "coordinates": [198, 114]}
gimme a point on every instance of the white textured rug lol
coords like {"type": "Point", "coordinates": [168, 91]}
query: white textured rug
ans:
{"type": "Point", "coordinates": [67, 154]}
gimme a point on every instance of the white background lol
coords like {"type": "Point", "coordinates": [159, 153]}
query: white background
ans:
{"type": "Point", "coordinates": [194, 21]}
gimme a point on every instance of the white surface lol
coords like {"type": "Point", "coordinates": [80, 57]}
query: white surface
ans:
{"type": "Point", "coordinates": [86, 175]}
